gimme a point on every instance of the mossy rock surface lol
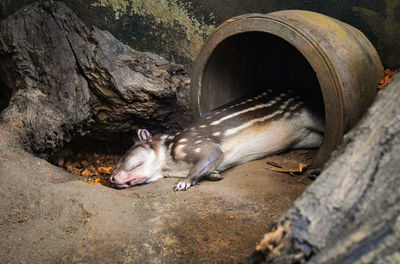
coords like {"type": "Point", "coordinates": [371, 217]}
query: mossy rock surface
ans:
{"type": "Point", "coordinates": [176, 29]}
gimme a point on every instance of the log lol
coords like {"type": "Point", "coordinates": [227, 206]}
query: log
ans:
{"type": "Point", "coordinates": [351, 213]}
{"type": "Point", "coordinates": [63, 80]}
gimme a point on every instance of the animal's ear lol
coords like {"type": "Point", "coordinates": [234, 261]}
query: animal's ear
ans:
{"type": "Point", "coordinates": [144, 135]}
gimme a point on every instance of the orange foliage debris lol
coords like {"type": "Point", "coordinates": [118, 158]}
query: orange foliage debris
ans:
{"type": "Point", "coordinates": [67, 164]}
{"type": "Point", "coordinates": [105, 170]}
{"type": "Point", "coordinates": [86, 173]}
{"type": "Point", "coordinates": [96, 167]}
{"type": "Point", "coordinates": [388, 77]}
{"type": "Point", "coordinates": [93, 182]}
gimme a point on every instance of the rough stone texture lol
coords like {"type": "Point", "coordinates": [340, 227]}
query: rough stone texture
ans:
{"type": "Point", "coordinates": [65, 79]}
{"type": "Point", "coordinates": [351, 213]}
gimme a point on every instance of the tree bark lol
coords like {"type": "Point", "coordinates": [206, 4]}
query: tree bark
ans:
{"type": "Point", "coordinates": [351, 213]}
{"type": "Point", "coordinates": [64, 79]}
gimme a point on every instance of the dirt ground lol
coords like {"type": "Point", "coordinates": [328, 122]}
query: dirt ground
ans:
{"type": "Point", "coordinates": [47, 216]}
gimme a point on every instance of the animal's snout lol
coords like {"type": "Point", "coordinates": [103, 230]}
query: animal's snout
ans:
{"type": "Point", "coordinates": [118, 180]}
{"type": "Point", "coordinates": [118, 177]}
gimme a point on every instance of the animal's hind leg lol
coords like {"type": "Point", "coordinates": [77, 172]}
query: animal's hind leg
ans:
{"type": "Point", "coordinates": [204, 167]}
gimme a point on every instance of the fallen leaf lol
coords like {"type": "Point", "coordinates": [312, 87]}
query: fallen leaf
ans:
{"type": "Point", "coordinates": [105, 170]}
{"type": "Point", "coordinates": [86, 173]}
{"type": "Point", "coordinates": [67, 164]}
{"type": "Point", "coordinates": [302, 166]}
{"type": "Point", "coordinates": [388, 77]}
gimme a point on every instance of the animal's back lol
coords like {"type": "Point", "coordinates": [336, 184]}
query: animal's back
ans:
{"type": "Point", "coordinates": [254, 127]}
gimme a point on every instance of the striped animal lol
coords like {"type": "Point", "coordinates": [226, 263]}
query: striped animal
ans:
{"type": "Point", "coordinates": [244, 130]}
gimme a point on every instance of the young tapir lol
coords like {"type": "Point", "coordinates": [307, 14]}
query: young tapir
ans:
{"type": "Point", "coordinates": [244, 130]}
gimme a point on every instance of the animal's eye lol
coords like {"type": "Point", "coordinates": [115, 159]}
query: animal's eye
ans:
{"type": "Point", "coordinates": [136, 165]}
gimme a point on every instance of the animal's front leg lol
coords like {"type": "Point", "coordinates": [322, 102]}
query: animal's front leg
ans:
{"type": "Point", "coordinates": [205, 166]}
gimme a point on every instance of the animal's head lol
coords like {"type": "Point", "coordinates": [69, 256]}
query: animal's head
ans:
{"type": "Point", "coordinates": [142, 163]}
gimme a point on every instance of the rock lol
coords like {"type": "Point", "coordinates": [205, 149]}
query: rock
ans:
{"type": "Point", "coordinates": [67, 80]}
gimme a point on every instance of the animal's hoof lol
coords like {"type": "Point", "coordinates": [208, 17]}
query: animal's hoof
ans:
{"type": "Point", "coordinates": [183, 185]}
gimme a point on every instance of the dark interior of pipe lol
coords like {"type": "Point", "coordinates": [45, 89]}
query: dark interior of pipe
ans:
{"type": "Point", "coordinates": [251, 62]}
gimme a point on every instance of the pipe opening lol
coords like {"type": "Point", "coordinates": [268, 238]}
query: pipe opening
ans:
{"type": "Point", "coordinates": [252, 62]}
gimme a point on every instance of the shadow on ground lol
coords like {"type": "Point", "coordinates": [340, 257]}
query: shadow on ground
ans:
{"type": "Point", "coordinates": [47, 216]}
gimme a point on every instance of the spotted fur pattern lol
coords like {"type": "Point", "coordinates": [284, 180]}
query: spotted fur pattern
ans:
{"type": "Point", "coordinates": [246, 129]}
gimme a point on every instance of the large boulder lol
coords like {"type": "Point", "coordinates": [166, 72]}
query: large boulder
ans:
{"type": "Point", "coordinates": [64, 79]}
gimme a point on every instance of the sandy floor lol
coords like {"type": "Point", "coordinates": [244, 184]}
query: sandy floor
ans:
{"type": "Point", "coordinates": [49, 217]}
